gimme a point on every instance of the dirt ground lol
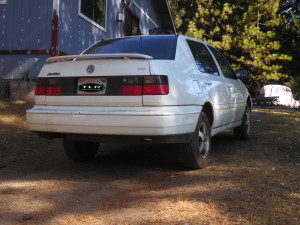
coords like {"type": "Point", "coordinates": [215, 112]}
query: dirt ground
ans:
{"type": "Point", "coordinates": [247, 182]}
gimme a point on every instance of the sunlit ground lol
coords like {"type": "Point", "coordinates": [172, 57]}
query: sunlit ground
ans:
{"type": "Point", "coordinates": [247, 182]}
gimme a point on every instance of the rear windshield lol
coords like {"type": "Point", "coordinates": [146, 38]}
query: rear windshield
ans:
{"type": "Point", "coordinates": [159, 47]}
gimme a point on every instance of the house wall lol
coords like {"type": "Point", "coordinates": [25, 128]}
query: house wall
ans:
{"type": "Point", "coordinates": [148, 16]}
{"type": "Point", "coordinates": [27, 38]}
{"type": "Point", "coordinates": [21, 66]}
{"type": "Point", "coordinates": [77, 34]}
{"type": "Point", "coordinates": [24, 26]}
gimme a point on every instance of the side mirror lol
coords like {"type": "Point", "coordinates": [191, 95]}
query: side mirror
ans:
{"type": "Point", "coordinates": [242, 73]}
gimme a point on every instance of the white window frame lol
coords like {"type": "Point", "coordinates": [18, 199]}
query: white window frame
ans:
{"type": "Point", "coordinates": [92, 21]}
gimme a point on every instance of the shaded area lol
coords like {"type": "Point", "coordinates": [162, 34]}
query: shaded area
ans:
{"type": "Point", "coordinates": [251, 182]}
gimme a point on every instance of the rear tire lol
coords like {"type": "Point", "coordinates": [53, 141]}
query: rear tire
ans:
{"type": "Point", "coordinates": [80, 151]}
{"type": "Point", "coordinates": [196, 152]}
{"type": "Point", "coordinates": [242, 132]}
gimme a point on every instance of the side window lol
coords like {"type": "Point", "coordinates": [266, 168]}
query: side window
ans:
{"type": "Point", "coordinates": [203, 58]}
{"type": "Point", "coordinates": [94, 11]}
{"type": "Point", "coordinates": [224, 65]}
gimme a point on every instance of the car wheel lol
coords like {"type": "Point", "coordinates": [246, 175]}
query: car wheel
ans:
{"type": "Point", "coordinates": [243, 131]}
{"type": "Point", "coordinates": [196, 152]}
{"type": "Point", "coordinates": [80, 151]}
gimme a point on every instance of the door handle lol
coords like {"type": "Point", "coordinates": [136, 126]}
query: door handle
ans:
{"type": "Point", "coordinates": [208, 82]}
{"type": "Point", "coordinates": [229, 85]}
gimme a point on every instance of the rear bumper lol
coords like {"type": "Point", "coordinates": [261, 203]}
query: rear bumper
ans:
{"type": "Point", "coordinates": [179, 138]}
{"type": "Point", "coordinates": [146, 122]}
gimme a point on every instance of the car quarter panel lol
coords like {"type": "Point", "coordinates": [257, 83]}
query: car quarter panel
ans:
{"type": "Point", "coordinates": [182, 75]}
{"type": "Point", "coordinates": [214, 89]}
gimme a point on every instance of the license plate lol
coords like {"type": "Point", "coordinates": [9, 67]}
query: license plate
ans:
{"type": "Point", "coordinates": [91, 86]}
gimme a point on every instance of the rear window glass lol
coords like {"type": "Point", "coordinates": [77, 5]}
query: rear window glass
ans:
{"type": "Point", "coordinates": [159, 47]}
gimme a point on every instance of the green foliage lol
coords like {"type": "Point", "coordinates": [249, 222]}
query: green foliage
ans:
{"type": "Point", "coordinates": [247, 32]}
{"type": "Point", "coordinates": [290, 38]}
{"type": "Point", "coordinates": [294, 84]}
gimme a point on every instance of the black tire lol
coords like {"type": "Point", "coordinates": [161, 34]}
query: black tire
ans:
{"type": "Point", "coordinates": [80, 151]}
{"type": "Point", "coordinates": [242, 132]}
{"type": "Point", "coordinates": [196, 152]}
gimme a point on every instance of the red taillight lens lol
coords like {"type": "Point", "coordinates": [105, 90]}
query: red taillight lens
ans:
{"type": "Point", "coordinates": [40, 90]}
{"type": "Point", "coordinates": [53, 91]}
{"type": "Point", "coordinates": [48, 86]}
{"type": "Point", "coordinates": [132, 85]}
{"type": "Point", "coordinates": [40, 87]}
{"type": "Point", "coordinates": [156, 85]}
{"type": "Point", "coordinates": [145, 85]}
{"type": "Point", "coordinates": [156, 89]}
{"type": "Point", "coordinates": [53, 87]}
{"type": "Point", "coordinates": [131, 89]}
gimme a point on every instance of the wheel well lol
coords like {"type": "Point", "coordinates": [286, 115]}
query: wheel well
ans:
{"type": "Point", "coordinates": [208, 109]}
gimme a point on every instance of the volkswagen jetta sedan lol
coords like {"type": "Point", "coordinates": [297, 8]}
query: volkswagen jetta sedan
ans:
{"type": "Point", "coordinates": [146, 89]}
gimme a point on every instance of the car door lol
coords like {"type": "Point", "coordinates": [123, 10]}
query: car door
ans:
{"type": "Point", "coordinates": [209, 78]}
{"type": "Point", "coordinates": [237, 102]}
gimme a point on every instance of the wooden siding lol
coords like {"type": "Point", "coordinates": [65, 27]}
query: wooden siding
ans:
{"type": "Point", "coordinates": [77, 34]}
{"type": "Point", "coordinates": [19, 66]}
{"type": "Point", "coordinates": [25, 24]}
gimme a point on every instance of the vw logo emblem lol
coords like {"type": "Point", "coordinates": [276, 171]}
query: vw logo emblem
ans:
{"type": "Point", "coordinates": [90, 69]}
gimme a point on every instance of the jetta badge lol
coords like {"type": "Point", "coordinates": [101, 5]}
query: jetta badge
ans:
{"type": "Point", "coordinates": [90, 69]}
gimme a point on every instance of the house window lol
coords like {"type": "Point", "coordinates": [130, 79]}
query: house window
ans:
{"type": "Point", "coordinates": [132, 24]}
{"type": "Point", "coordinates": [94, 11]}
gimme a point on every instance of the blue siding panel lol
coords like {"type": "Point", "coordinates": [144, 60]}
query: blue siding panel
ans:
{"type": "Point", "coordinates": [18, 66]}
{"type": "Point", "coordinates": [34, 25]}
{"type": "Point", "coordinates": [3, 18]}
{"type": "Point", "coordinates": [26, 24]}
{"type": "Point", "coordinates": [76, 34]}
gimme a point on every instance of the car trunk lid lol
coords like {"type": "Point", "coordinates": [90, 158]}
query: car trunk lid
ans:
{"type": "Point", "coordinates": [77, 78]}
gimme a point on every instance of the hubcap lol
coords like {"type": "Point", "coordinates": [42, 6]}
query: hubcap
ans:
{"type": "Point", "coordinates": [203, 141]}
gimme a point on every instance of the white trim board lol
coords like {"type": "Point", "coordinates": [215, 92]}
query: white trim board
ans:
{"type": "Point", "coordinates": [145, 14]}
{"type": "Point", "coordinates": [91, 21]}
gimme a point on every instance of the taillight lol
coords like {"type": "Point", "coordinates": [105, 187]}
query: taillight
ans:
{"type": "Point", "coordinates": [132, 85]}
{"type": "Point", "coordinates": [40, 87]}
{"type": "Point", "coordinates": [156, 89]}
{"type": "Point", "coordinates": [53, 91]}
{"type": "Point", "coordinates": [145, 85]}
{"type": "Point", "coordinates": [156, 85]}
{"type": "Point", "coordinates": [48, 86]}
{"type": "Point", "coordinates": [53, 87]}
{"type": "Point", "coordinates": [131, 89]}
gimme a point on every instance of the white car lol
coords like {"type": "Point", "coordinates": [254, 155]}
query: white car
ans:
{"type": "Point", "coordinates": [149, 89]}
